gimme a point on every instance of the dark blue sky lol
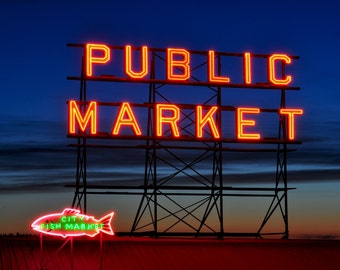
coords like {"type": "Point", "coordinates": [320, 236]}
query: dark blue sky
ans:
{"type": "Point", "coordinates": [35, 62]}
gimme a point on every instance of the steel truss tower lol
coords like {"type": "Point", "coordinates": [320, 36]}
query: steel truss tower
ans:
{"type": "Point", "coordinates": [185, 185]}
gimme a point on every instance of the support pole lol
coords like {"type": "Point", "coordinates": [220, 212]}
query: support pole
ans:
{"type": "Point", "coordinates": [101, 250]}
{"type": "Point", "coordinates": [41, 250]}
{"type": "Point", "coordinates": [72, 266]}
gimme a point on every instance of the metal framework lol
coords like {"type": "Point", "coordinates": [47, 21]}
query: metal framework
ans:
{"type": "Point", "coordinates": [188, 198]}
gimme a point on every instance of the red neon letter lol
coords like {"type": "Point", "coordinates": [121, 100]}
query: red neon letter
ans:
{"type": "Point", "coordinates": [129, 120]}
{"type": "Point", "coordinates": [211, 70]}
{"type": "Point", "coordinates": [90, 59]}
{"type": "Point", "coordinates": [74, 113]}
{"type": "Point", "coordinates": [184, 64]}
{"type": "Point", "coordinates": [172, 120]}
{"type": "Point", "coordinates": [241, 123]}
{"type": "Point", "coordinates": [247, 68]}
{"type": "Point", "coordinates": [208, 118]}
{"type": "Point", "coordinates": [272, 70]}
{"type": "Point", "coordinates": [291, 123]}
{"type": "Point", "coordinates": [144, 62]}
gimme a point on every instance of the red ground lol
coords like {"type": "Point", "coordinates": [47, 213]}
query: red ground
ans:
{"type": "Point", "coordinates": [145, 253]}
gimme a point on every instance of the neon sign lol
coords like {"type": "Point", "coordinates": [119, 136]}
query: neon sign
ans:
{"type": "Point", "coordinates": [167, 118]}
{"type": "Point", "coordinates": [178, 65]}
{"type": "Point", "coordinates": [71, 223]}
{"type": "Point", "coordinates": [126, 119]}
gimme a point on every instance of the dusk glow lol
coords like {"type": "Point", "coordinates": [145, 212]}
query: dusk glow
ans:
{"type": "Point", "coordinates": [251, 79]}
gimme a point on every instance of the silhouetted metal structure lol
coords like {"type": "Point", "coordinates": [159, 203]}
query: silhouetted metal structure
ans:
{"type": "Point", "coordinates": [183, 200]}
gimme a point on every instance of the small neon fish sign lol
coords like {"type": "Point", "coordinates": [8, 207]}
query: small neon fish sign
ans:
{"type": "Point", "coordinates": [71, 223]}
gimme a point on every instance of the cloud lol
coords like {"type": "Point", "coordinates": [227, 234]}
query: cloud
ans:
{"type": "Point", "coordinates": [51, 168]}
{"type": "Point", "coordinates": [34, 155]}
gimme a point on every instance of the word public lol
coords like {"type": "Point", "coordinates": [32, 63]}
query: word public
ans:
{"type": "Point", "coordinates": [178, 65]}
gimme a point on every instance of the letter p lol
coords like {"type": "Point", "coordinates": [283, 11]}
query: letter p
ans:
{"type": "Point", "coordinates": [98, 54]}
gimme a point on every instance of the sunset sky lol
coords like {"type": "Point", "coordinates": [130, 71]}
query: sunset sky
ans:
{"type": "Point", "coordinates": [35, 161]}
